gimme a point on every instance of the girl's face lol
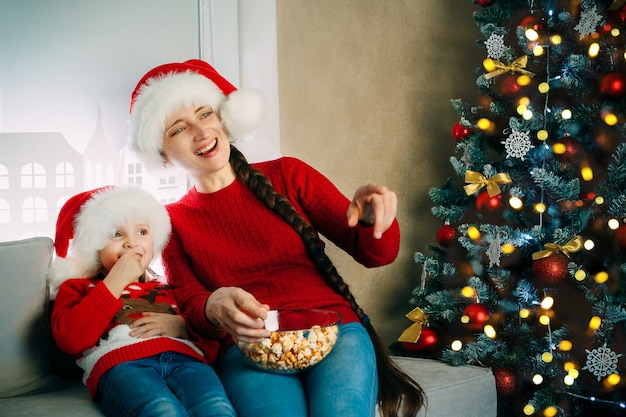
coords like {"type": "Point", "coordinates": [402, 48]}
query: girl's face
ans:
{"type": "Point", "coordinates": [195, 139]}
{"type": "Point", "coordinates": [132, 237]}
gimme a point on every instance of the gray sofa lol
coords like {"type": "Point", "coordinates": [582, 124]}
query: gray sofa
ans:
{"type": "Point", "coordinates": [39, 380]}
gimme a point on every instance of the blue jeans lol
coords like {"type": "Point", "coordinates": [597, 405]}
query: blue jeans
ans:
{"type": "Point", "coordinates": [344, 384]}
{"type": "Point", "coordinates": [165, 385]}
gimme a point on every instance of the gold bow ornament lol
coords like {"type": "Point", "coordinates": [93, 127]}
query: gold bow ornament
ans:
{"type": "Point", "coordinates": [477, 181]}
{"type": "Point", "coordinates": [516, 66]}
{"type": "Point", "coordinates": [573, 245]}
{"type": "Point", "coordinates": [412, 333]}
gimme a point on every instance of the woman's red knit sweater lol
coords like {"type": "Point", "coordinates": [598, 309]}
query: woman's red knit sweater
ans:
{"type": "Point", "coordinates": [230, 238]}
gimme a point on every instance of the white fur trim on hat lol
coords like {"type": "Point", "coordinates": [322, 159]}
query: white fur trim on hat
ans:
{"type": "Point", "coordinates": [241, 111]}
{"type": "Point", "coordinates": [157, 99]}
{"type": "Point", "coordinates": [98, 219]}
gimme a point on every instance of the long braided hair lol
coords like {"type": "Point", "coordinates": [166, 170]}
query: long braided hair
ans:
{"type": "Point", "coordinates": [396, 390]}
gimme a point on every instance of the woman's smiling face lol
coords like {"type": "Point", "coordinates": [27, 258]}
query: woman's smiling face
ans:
{"type": "Point", "coordinates": [195, 140]}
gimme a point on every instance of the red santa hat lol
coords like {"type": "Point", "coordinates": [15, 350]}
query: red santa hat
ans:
{"type": "Point", "coordinates": [89, 219]}
{"type": "Point", "coordinates": [169, 87]}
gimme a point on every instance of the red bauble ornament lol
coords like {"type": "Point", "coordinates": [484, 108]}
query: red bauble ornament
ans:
{"type": "Point", "coordinates": [477, 314]}
{"type": "Point", "coordinates": [620, 235]}
{"type": "Point", "coordinates": [427, 341]}
{"type": "Point", "coordinates": [572, 150]}
{"type": "Point", "coordinates": [533, 22]}
{"type": "Point", "coordinates": [506, 383]}
{"type": "Point", "coordinates": [489, 204]}
{"type": "Point", "coordinates": [445, 235]}
{"type": "Point", "coordinates": [459, 132]}
{"type": "Point", "coordinates": [613, 85]}
{"type": "Point", "coordinates": [485, 3]}
{"type": "Point", "coordinates": [509, 86]}
{"type": "Point", "coordinates": [551, 269]}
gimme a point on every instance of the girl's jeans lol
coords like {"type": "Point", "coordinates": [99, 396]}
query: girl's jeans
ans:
{"type": "Point", "coordinates": [165, 385]}
{"type": "Point", "coordinates": [344, 384]}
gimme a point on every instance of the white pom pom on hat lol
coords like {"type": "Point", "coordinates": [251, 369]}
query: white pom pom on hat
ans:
{"type": "Point", "coordinates": [89, 219]}
{"type": "Point", "coordinates": [169, 87]}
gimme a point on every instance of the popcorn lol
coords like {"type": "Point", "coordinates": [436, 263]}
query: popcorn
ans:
{"type": "Point", "coordinates": [291, 351]}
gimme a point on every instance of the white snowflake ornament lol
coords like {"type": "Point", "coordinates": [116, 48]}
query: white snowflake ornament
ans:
{"type": "Point", "coordinates": [589, 20]}
{"type": "Point", "coordinates": [601, 362]}
{"type": "Point", "coordinates": [495, 46]}
{"type": "Point", "coordinates": [494, 252]}
{"type": "Point", "coordinates": [517, 144]}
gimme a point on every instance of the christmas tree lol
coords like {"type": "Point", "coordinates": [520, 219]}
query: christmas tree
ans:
{"type": "Point", "coordinates": [529, 274]}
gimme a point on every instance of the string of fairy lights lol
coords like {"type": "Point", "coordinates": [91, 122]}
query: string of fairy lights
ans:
{"type": "Point", "coordinates": [539, 47]}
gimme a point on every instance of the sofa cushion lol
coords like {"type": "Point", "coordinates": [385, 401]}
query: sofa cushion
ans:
{"type": "Point", "coordinates": [24, 298]}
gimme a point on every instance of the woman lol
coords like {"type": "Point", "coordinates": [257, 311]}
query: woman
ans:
{"type": "Point", "coordinates": [245, 240]}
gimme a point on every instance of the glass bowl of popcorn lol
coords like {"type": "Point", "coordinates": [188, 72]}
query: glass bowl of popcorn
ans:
{"type": "Point", "coordinates": [299, 339]}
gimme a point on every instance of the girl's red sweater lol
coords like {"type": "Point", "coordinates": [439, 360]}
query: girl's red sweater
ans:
{"type": "Point", "coordinates": [84, 324]}
{"type": "Point", "coordinates": [230, 238]}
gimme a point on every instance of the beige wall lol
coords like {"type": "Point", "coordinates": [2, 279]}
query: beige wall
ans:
{"type": "Point", "coordinates": [364, 91]}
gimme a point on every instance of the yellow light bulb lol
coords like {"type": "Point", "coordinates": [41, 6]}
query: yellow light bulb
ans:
{"type": "Point", "coordinates": [599, 200]}
{"type": "Point", "coordinates": [613, 224]}
{"type": "Point", "coordinates": [613, 379]}
{"type": "Point", "coordinates": [523, 80]}
{"type": "Point", "coordinates": [489, 65]}
{"type": "Point", "coordinates": [490, 331]}
{"type": "Point", "coordinates": [585, 171]}
{"type": "Point", "coordinates": [483, 123]}
{"type": "Point", "coordinates": [538, 50]}
{"type": "Point", "coordinates": [529, 410]}
{"type": "Point", "coordinates": [544, 87]}
{"type": "Point", "coordinates": [610, 119]}
{"type": "Point", "coordinates": [508, 248]}
{"type": "Point", "coordinates": [524, 313]}
{"type": "Point", "coordinates": [565, 345]}
{"type": "Point", "coordinates": [594, 49]}
{"type": "Point", "coordinates": [547, 357]}
{"type": "Point", "coordinates": [468, 291]}
{"type": "Point", "coordinates": [540, 208]}
{"type": "Point", "coordinates": [542, 134]}
{"type": "Point", "coordinates": [615, 32]}
{"type": "Point", "coordinates": [568, 366]}
{"type": "Point", "coordinates": [601, 277]}
{"type": "Point", "coordinates": [589, 244]}
{"type": "Point", "coordinates": [568, 380]}
{"type": "Point", "coordinates": [550, 411]}
{"type": "Point", "coordinates": [531, 34]}
{"type": "Point", "coordinates": [566, 114]}
{"type": "Point", "coordinates": [473, 233]}
{"type": "Point", "coordinates": [595, 322]}
{"type": "Point", "coordinates": [573, 373]}
{"type": "Point", "coordinates": [556, 39]}
{"type": "Point", "coordinates": [516, 203]}
{"type": "Point", "coordinates": [456, 346]}
{"type": "Point", "coordinates": [580, 275]}
{"type": "Point", "coordinates": [544, 319]}
{"type": "Point", "coordinates": [547, 303]}
{"type": "Point", "coordinates": [537, 379]}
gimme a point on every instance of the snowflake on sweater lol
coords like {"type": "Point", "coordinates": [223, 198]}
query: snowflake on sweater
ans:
{"type": "Point", "coordinates": [601, 362]}
{"type": "Point", "coordinates": [588, 23]}
{"type": "Point", "coordinates": [495, 46]}
{"type": "Point", "coordinates": [517, 144]}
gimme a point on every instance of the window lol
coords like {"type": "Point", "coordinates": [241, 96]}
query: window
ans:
{"type": "Point", "coordinates": [34, 210]}
{"type": "Point", "coordinates": [167, 181]}
{"type": "Point", "coordinates": [65, 175]}
{"type": "Point", "coordinates": [33, 175]}
{"type": "Point", "coordinates": [134, 174]}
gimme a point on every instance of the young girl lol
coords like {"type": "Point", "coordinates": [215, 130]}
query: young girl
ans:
{"type": "Point", "coordinates": [245, 239]}
{"type": "Point", "coordinates": [121, 324]}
